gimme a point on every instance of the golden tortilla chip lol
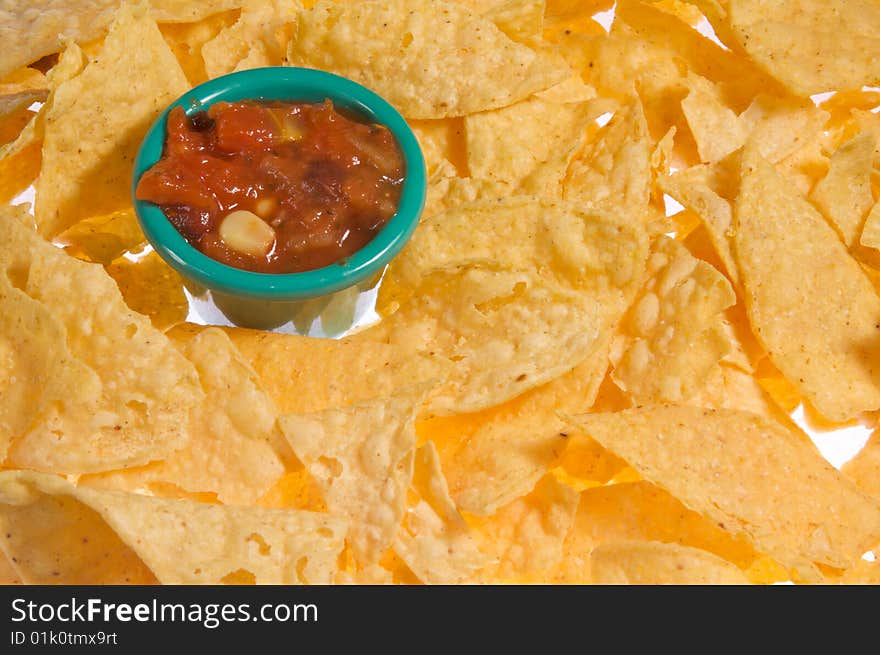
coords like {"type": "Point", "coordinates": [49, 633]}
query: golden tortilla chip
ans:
{"type": "Point", "coordinates": [90, 141]}
{"type": "Point", "coordinates": [595, 250]}
{"type": "Point", "coordinates": [44, 25]}
{"type": "Point", "coordinates": [574, 90]}
{"type": "Point", "coordinates": [18, 171]}
{"type": "Point", "coordinates": [362, 458]}
{"type": "Point", "coordinates": [864, 573]}
{"type": "Point", "coordinates": [811, 46]}
{"type": "Point", "coordinates": [509, 144]}
{"type": "Point", "coordinates": [498, 455]}
{"type": "Point", "coordinates": [716, 128]}
{"type": "Point", "coordinates": [655, 563]}
{"type": "Point", "coordinates": [729, 387]}
{"type": "Point", "coordinates": [864, 468]}
{"type": "Point", "coordinates": [55, 539]}
{"type": "Point", "coordinates": [524, 538]}
{"type": "Point", "coordinates": [36, 366]}
{"type": "Point", "coordinates": [429, 59]}
{"type": "Point", "coordinates": [492, 334]}
{"type": "Point", "coordinates": [12, 124]}
{"type": "Point", "coordinates": [521, 20]}
{"type": "Point", "coordinates": [232, 452]}
{"type": "Point", "coordinates": [20, 159]}
{"type": "Point", "coordinates": [174, 540]}
{"type": "Point", "coordinates": [434, 541]}
{"type": "Point", "coordinates": [672, 336]}
{"type": "Point", "coordinates": [252, 42]}
{"type": "Point", "coordinates": [693, 188]}
{"type": "Point", "coordinates": [789, 258]}
{"type": "Point", "coordinates": [187, 39]}
{"type": "Point", "coordinates": [572, 15]}
{"type": "Point", "coordinates": [867, 121]}
{"type": "Point", "coordinates": [844, 194]}
{"type": "Point", "coordinates": [779, 126]}
{"type": "Point", "coordinates": [296, 489]}
{"type": "Point", "coordinates": [616, 165]}
{"type": "Point", "coordinates": [673, 39]}
{"type": "Point", "coordinates": [640, 511]}
{"type": "Point", "coordinates": [8, 574]}
{"type": "Point", "coordinates": [871, 230]}
{"type": "Point", "coordinates": [750, 476]}
{"type": "Point", "coordinates": [20, 89]}
{"type": "Point", "coordinates": [317, 374]}
{"type": "Point", "coordinates": [103, 238]}
{"type": "Point", "coordinates": [443, 144]}
{"type": "Point", "coordinates": [136, 392]}
{"type": "Point", "coordinates": [151, 287]}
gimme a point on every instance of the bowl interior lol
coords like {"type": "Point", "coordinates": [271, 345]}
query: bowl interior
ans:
{"type": "Point", "coordinates": [296, 84]}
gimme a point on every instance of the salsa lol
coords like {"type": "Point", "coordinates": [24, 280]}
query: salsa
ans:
{"type": "Point", "coordinates": [274, 186]}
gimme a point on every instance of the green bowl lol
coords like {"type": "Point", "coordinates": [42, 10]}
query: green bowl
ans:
{"type": "Point", "coordinates": [262, 293]}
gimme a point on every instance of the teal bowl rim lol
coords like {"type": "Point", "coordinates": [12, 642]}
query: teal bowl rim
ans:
{"type": "Point", "coordinates": [299, 84]}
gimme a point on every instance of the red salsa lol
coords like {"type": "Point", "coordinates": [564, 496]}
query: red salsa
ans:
{"type": "Point", "coordinates": [276, 187]}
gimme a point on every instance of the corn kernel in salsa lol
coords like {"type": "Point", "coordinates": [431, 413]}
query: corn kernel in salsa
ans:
{"type": "Point", "coordinates": [274, 186]}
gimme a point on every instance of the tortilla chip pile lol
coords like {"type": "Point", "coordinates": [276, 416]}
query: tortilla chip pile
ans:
{"type": "Point", "coordinates": [651, 233]}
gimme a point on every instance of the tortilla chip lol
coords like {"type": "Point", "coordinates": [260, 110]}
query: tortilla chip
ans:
{"type": "Point", "coordinates": [572, 90]}
{"type": "Point", "coordinates": [103, 238]}
{"type": "Point", "coordinates": [799, 42]}
{"type": "Point", "coordinates": [12, 124]}
{"type": "Point", "coordinates": [20, 89]}
{"type": "Point", "coordinates": [521, 20]}
{"type": "Point", "coordinates": [498, 455]}
{"type": "Point", "coordinates": [672, 336]}
{"type": "Point", "coordinates": [90, 142]}
{"type": "Point", "coordinates": [20, 159]}
{"type": "Point", "coordinates": [8, 574]}
{"type": "Point", "coordinates": [655, 563]}
{"type": "Point", "coordinates": [615, 166]}
{"type": "Point", "coordinates": [43, 27]}
{"type": "Point", "coordinates": [362, 458]}
{"type": "Point", "coordinates": [36, 366]}
{"type": "Point", "coordinates": [871, 231]}
{"type": "Point", "coordinates": [830, 359]}
{"type": "Point", "coordinates": [492, 334]}
{"type": "Point", "coordinates": [674, 39]}
{"type": "Point", "coordinates": [296, 489]}
{"type": "Point", "coordinates": [252, 42]}
{"type": "Point", "coordinates": [52, 538]}
{"type": "Point", "coordinates": [588, 249]}
{"type": "Point", "coordinates": [864, 468]}
{"type": "Point", "coordinates": [132, 536]}
{"type": "Point", "coordinates": [729, 387]}
{"type": "Point", "coordinates": [447, 192]}
{"type": "Point", "coordinates": [640, 511]}
{"type": "Point", "coordinates": [716, 128]}
{"type": "Point", "coordinates": [443, 143]}
{"type": "Point", "coordinates": [864, 573]}
{"type": "Point", "coordinates": [697, 188]}
{"type": "Point", "coordinates": [404, 42]}
{"type": "Point", "coordinates": [434, 541]}
{"type": "Point", "coordinates": [187, 39]}
{"type": "Point", "coordinates": [867, 121]}
{"type": "Point", "coordinates": [844, 194]}
{"type": "Point", "coordinates": [750, 476]}
{"type": "Point", "coordinates": [18, 171]}
{"type": "Point", "coordinates": [779, 126]}
{"type": "Point", "coordinates": [232, 452]}
{"type": "Point", "coordinates": [133, 401]}
{"type": "Point", "coordinates": [509, 144]}
{"type": "Point", "coordinates": [151, 287]}
{"type": "Point", "coordinates": [319, 374]}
